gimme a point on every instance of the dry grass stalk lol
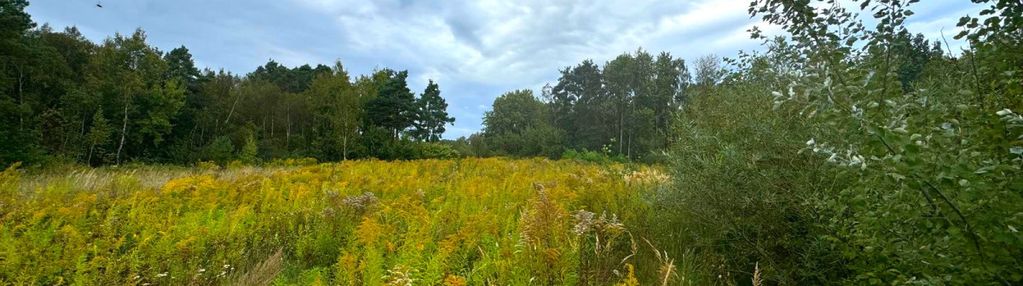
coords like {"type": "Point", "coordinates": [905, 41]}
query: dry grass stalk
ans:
{"type": "Point", "coordinates": [667, 269]}
{"type": "Point", "coordinates": [757, 281]}
{"type": "Point", "coordinates": [264, 272]}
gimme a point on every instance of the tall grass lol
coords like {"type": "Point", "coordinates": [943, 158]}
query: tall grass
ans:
{"type": "Point", "coordinates": [454, 222]}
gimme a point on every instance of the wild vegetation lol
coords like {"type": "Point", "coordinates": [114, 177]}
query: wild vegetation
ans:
{"type": "Point", "coordinates": [849, 154]}
{"type": "Point", "coordinates": [426, 222]}
{"type": "Point", "coordinates": [847, 150]}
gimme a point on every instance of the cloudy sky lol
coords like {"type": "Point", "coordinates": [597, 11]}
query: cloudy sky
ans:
{"type": "Point", "coordinates": [476, 50]}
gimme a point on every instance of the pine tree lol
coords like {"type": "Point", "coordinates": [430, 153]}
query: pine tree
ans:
{"type": "Point", "coordinates": [432, 114]}
{"type": "Point", "coordinates": [99, 134]}
{"type": "Point", "coordinates": [394, 108]}
{"type": "Point", "coordinates": [220, 150]}
{"type": "Point", "coordinates": [249, 152]}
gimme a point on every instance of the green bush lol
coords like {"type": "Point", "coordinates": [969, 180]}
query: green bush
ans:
{"type": "Point", "coordinates": [593, 157]}
{"type": "Point", "coordinates": [293, 162]}
{"type": "Point", "coordinates": [931, 173]}
{"type": "Point", "coordinates": [824, 161]}
{"type": "Point", "coordinates": [249, 153]}
{"type": "Point", "coordinates": [220, 150]}
{"type": "Point", "coordinates": [742, 195]}
{"type": "Point", "coordinates": [435, 151]}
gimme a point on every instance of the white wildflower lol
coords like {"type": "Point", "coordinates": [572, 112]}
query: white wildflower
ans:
{"type": "Point", "coordinates": [1016, 150]}
{"type": "Point", "coordinates": [856, 160]}
{"type": "Point", "coordinates": [584, 222]}
{"type": "Point", "coordinates": [897, 177]}
{"type": "Point", "coordinates": [360, 203]}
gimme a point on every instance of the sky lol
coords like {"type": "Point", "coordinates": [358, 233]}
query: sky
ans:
{"type": "Point", "coordinates": [475, 50]}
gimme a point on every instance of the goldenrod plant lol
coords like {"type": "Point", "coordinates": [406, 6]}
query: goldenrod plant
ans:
{"type": "Point", "coordinates": [427, 222]}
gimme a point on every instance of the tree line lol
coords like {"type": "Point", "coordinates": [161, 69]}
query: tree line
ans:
{"type": "Point", "coordinates": [65, 98]}
{"type": "Point", "coordinates": [623, 108]}
{"type": "Point", "coordinates": [626, 108]}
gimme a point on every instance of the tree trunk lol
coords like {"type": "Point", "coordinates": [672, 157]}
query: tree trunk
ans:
{"type": "Point", "coordinates": [629, 148]}
{"type": "Point", "coordinates": [124, 129]}
{"type": "Point", "coordinates": [21, 98]}
{"type": "Point", "coordinates": [621, 129]}
{"type": "Point", "coordinates": [88, 160]}
{"type": "Point", "coordinates": [81, 135]}
{"type": "Point", "coordinates": [287, 133]}
{"type": "Point", "coordinates": [232, 108]}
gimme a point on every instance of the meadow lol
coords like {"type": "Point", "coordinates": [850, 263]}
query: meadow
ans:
{"type": "Point", "coordinates": [370, 222]}
{"type": "Point", "coordinates": [852, 147]}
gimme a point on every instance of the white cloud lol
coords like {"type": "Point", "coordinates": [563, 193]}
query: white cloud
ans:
{"type": "Point", "coordinates": [476, 50]}
{"type": "Point", "coordinates": [488, 47]}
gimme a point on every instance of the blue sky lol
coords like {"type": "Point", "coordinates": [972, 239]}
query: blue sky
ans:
{"type": "Point", "coordinates": [475, 50]}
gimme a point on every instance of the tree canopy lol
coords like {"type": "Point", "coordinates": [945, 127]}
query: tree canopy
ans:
{"type": "Point", "coordinates": [65, 98]}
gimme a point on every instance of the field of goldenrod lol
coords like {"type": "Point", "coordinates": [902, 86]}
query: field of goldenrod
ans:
{"type": "Point", "coordinates": [430, 222]}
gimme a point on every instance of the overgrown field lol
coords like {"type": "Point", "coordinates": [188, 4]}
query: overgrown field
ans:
{"type": "Point", "coordinates": [430, 222]}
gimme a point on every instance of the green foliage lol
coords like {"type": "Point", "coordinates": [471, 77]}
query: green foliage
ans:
{"type": "Point", "coordinates": [159, 107]}
{"type": "Point", "coordinates": [708, 72]}
{"type": "Point", "coordinates": [518, 126]}
{"type": "Point", "coordinates": [995, 65]}
{"type": "Point", "coordinates": [843, 154]}
{"type": "Point", "coordinates": [741, 193]}
{"type": "Point", "coordinates": [338, 112]}
{"type": "Point", "coordinates": [17, 141]}
{"type": "Point", "coordinates": [220, 150]}
{"type": "Point", "coordinates": [603, 157]}
{"type": "Point", "coordinates": [853, 155]}
{"type": "Point", "coordinates": [181, 67]}
{"type": "Point", "coordinates": [432, 115]}
{"type": "Point", "coordinates": [99, 137]}
{"type": "Point", "coordinates": [435, 151]}
{"type": "Point", "coordinates": [370, 222]}
{"type": "Point", "coordinates": [626, 106]}
{"type": "Point", "coordinates": [249, 152]}
{"type": "Point", "coordinates": [394, 108]}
